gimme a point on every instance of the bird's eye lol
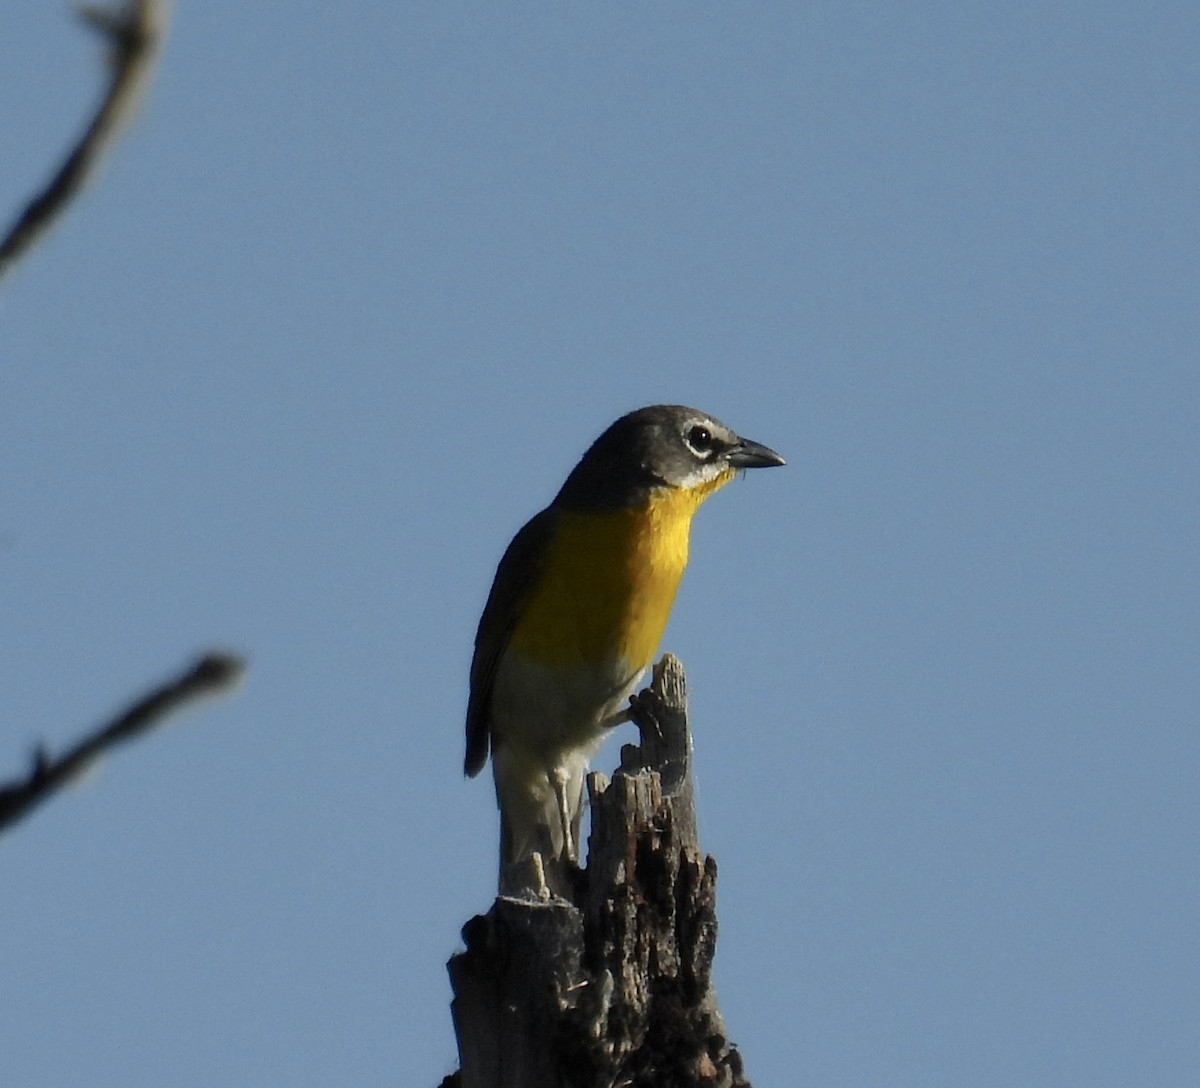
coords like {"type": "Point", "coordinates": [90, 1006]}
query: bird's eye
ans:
{"type": "Point", "coordinates": [700, 439]}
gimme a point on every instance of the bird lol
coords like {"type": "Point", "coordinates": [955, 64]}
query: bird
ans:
{"type": "Point", "coordinates": [576, 609]}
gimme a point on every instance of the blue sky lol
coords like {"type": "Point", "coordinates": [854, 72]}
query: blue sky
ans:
{"type": "Point", "coordinates": [340, 312]}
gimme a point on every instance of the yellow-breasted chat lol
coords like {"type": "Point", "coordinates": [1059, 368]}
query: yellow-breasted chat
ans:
{"type": "Point", "coordinates": [576, 610]}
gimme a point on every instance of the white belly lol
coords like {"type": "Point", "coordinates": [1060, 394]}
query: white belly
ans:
{"type": "Point", "coordinates": [546, 726]}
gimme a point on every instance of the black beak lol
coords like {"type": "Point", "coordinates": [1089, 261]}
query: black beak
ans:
{"type": "Point", "coordinates": [747, 454]}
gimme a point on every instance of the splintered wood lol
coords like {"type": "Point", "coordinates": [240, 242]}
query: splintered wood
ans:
{"type": "Point", "coordinates": [609, 981]}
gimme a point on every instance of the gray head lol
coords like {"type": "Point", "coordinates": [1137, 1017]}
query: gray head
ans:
{"type": "Point", "coordinates": [662, 446]}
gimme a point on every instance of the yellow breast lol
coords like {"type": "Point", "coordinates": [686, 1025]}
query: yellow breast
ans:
{"type": "Point", "coordinates": [608, 580]}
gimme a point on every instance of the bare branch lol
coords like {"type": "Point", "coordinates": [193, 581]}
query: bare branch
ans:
{"type": "Point", "coordinates": [612, 983]}
{"type": "Point", "coordinates": [212, 674]}
{"type": "Point", "coordinates": [132, 33]}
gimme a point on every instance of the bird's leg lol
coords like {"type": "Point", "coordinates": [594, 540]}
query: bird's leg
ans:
{"type": "Point", "coordinates": [559, 782]}
{"type": "Point", "coordinates": [645, 710]}
{"type": "Point", "coordinates": [619, 717]}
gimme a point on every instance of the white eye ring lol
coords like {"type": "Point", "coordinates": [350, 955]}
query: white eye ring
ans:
{"type": "Point", "coordinates": [700, 440]}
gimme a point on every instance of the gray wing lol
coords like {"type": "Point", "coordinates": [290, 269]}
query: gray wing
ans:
{"type": "Point", "coordinates": [518, 570]}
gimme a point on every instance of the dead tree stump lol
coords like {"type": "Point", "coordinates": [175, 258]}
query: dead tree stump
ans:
{"type": "Point", "coordinates": [612, 986]}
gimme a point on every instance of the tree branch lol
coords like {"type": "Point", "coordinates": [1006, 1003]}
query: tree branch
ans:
{"type": "Point", "coordinates": [213, 673]}
{"type": "Point", "coordinates": [133, 33]}
{"type": "Point", "coordinates": [611, 985]}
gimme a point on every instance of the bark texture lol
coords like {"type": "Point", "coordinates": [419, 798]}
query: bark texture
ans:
{"type": "Point", "coordinates": [611, 985]}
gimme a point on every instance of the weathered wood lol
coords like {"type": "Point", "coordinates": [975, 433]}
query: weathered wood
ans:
{"type": "Point", "coordinates": [613, 985]}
